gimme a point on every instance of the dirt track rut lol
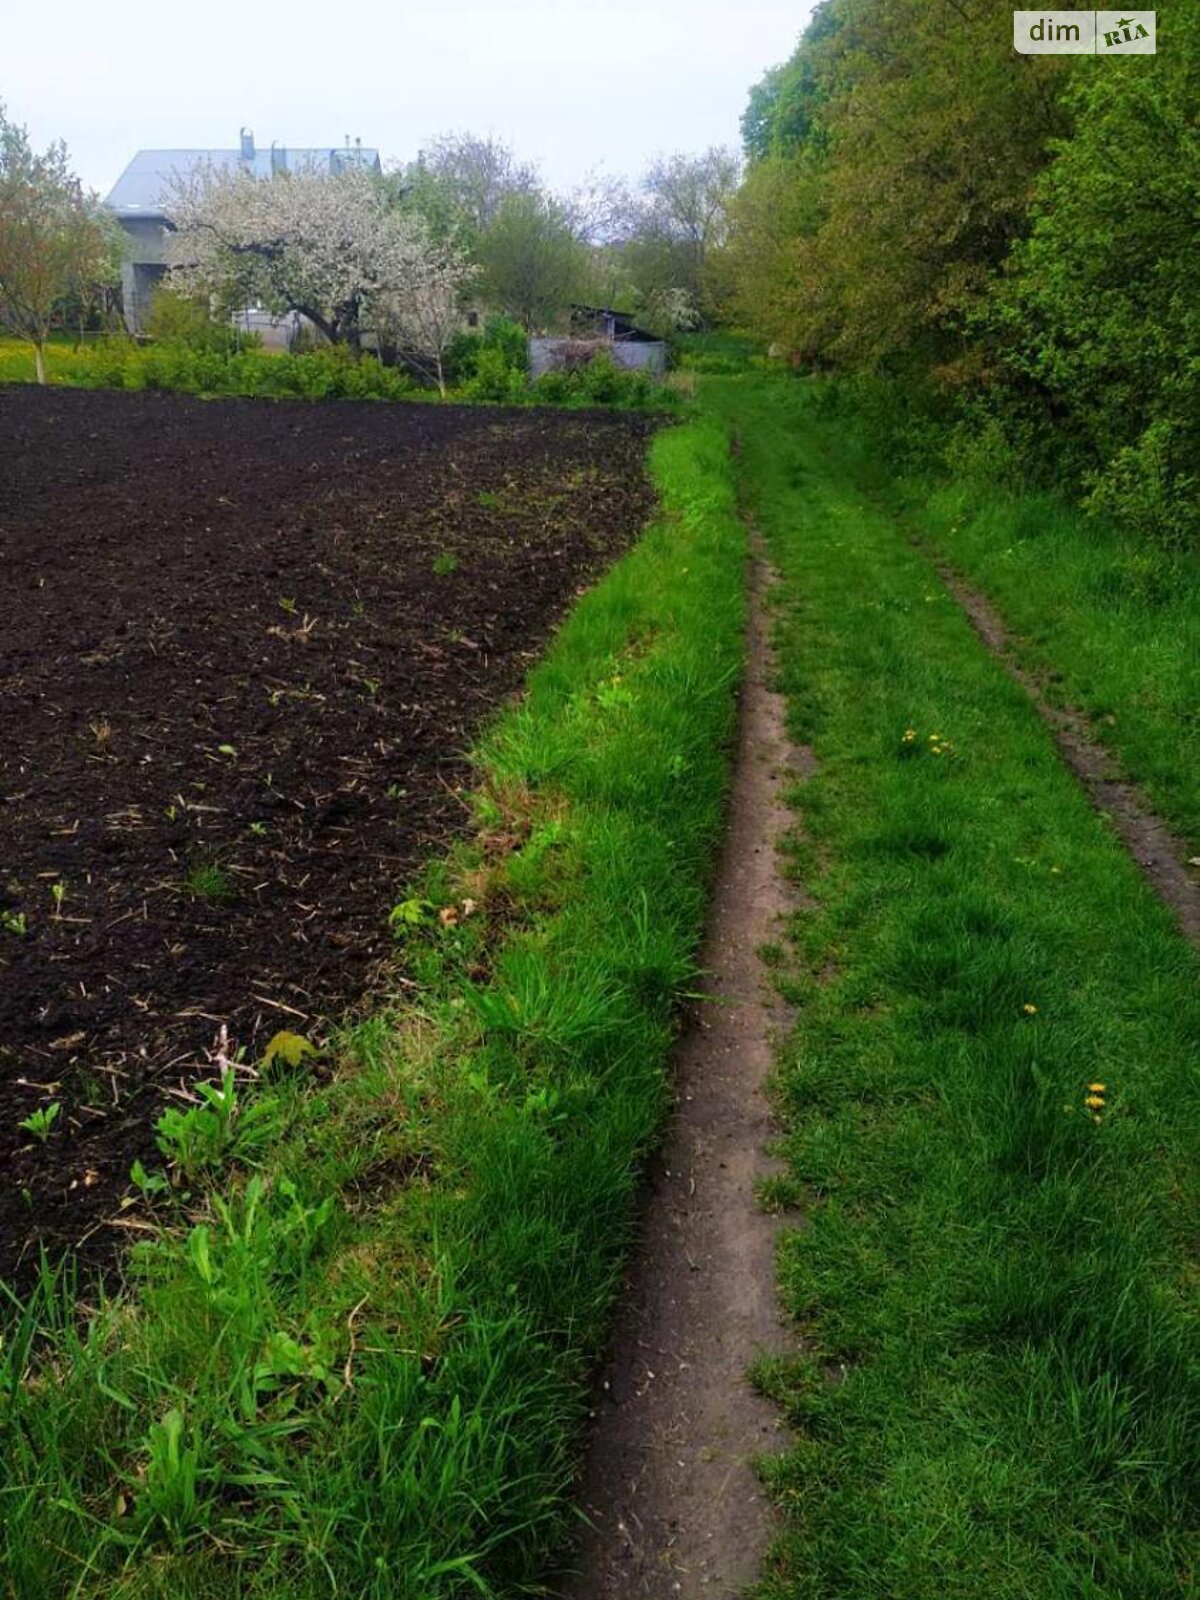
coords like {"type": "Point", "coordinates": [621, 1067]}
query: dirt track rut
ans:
{"type": "Point", "coordinates": [675, 1508]}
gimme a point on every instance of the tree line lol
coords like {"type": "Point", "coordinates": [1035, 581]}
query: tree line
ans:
{"type": "Point", "coordinates": [395, 259]}
{"type": "Point", "coordinates": [1012, 237]}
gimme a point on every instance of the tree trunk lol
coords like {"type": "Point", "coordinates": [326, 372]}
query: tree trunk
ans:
{"type": "Point", "coordinates": [39, 361]}
{"type": "Point", "coordinates": [441, 376]}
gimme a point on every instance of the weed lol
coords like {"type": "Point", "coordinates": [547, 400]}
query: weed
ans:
{"type": "Point", "coordinates": [14, 922]}
{"type": "Point", "coordinates": [287, 1049]}
{"type": "Point", "coordinates": [40, 1122]}
{"type": "Point", "coordinates": [147, 1183]}
{"type": "Point", "coordinates": [444, 564]}
{"type": "Point", "coordinates": [217, 1130]}
{"type": "Point", "coordinates": [208, 880]}
{"type": "Point", "coordinates": [411, 913]}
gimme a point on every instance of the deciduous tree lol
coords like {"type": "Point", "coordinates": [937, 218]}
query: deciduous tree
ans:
{"type": "Point", "coordinates": [326, 245]}
{"type": "Point", "coordinates": [534, 264]}
{"type": "Point", "coordinates": [53, 243]}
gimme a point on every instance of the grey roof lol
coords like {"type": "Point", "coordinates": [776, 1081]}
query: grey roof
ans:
{"type": "Point", "coordinates": [144, 188]}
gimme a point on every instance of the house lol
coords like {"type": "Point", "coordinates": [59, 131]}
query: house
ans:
{"type": "Point", "coordinates": [140, 198]}
{"type": "Point", "coordinates": [596, 328]}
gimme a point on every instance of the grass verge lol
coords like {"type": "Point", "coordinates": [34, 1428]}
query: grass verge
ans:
{"type": "Point", "coordinates": [352, 1355]}
{"type": "Point", "coordinates": [990, 1104]}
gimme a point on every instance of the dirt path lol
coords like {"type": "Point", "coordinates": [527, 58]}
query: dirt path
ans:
{"type": "Point", "coordinates": [675, 1507]}
{"type": "Point", "coordinates": [1158, 852]}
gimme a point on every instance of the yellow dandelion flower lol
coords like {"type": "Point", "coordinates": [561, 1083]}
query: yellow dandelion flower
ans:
{"type": "Point", "coordinates": [1029, 1009]}
{"type": "Point", "coordinates": [1095, 1102]}
{"type": "Point", "coordinates": [1097, 1088]}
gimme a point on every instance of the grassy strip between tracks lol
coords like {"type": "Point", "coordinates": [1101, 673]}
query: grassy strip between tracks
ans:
{"type": "Point", "coordinates": [354, 1362]}
{"type": "Point", "coordinates": [1108, 621]}
{"type": "Point", "coordinates": [990, 1104]}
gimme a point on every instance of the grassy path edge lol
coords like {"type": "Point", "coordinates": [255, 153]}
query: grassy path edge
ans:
{"type": "Point", "coordinates": [352, 1357]}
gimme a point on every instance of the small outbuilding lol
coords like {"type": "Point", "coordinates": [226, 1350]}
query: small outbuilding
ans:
{"type": "Point", "coordinates": [595, 328]}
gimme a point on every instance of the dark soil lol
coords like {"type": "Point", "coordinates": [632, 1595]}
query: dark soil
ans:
{"type": "Point", "coordinates": [236, 685]}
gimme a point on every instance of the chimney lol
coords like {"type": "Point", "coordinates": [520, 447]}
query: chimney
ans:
{"type": "Point", "coordinates": [247, 145]}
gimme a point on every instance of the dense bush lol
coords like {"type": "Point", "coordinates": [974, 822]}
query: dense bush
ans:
{"type": "Point", "coordinates": [326, 374]}
{"type": "Point", "coordinates": [1098, 317]}
{"type": "Point", "coordinates": [1048, 293]}
{"type": "Point", "coordinates": [601, 382]}
{"type": "Point", "coordinates": [500, 344]}
{"type": "Point", "coordinates": [494, 379]}
{"type": "Point", "coordinates": [175, 319]}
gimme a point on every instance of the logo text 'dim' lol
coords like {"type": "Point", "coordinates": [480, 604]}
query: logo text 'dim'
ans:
{"type": "Point", "coordinates": [1084, 33]}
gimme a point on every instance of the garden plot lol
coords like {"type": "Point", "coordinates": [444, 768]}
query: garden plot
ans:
{"type": "Point", "coordinates": [243, 647]}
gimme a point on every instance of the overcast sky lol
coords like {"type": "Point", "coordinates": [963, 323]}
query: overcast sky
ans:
{"type": "Point", "coordinates": [571, 84]}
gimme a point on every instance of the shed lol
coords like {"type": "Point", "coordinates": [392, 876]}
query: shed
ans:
{"type": "Point", "coordinates": [599, 327]}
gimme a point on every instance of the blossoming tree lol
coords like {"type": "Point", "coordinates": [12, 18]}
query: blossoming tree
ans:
{"type": "Point", "coordinates": [326, 245]}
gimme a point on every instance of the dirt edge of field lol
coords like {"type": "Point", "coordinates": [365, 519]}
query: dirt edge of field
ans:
{"type": "Point", "coordinates": [1160, 855]}
{"type": "Point", "coordinates": [672, 1501]}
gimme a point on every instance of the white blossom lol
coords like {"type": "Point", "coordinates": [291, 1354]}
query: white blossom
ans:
{"type": "Point", "coordinates": [327, 245]}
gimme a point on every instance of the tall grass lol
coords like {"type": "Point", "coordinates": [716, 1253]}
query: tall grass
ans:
{"type": "Point", "coordinates": [356, 1362]}
{"type": "Point", "coordinates": [990, 1100]}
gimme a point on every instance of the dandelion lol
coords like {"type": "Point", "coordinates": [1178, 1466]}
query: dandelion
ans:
{"type": "Point", "coordinates": [1097, 1088]}
{"type": "Point", "coordinates": [1029, 1009]}
{"type": "Point", "coordinates": [909, 735]}
{"type": "Point", "coordinates": [935, 738]}
{"type": "Point", "coordinates": [1094, 1102]}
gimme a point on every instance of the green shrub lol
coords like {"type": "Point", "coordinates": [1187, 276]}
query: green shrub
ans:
{"type": "Point", "coordinates": [177, 320]}
{"type": "Point", "coordinates": [496, 380]}
{"type": "Point", "coordinates": [505, 343]}
{"type": "Point", "coordinates": [602, 382]}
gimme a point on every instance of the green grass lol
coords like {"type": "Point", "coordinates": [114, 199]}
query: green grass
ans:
{"type": "Point", "coordinates": [1110, 622]}
{"type": "Point", "coordinates": [996, 1389]}
{"type": "Point", "coordinates": [208, 880]}
{"type": "Point", "coordinates": [355, 1361]}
